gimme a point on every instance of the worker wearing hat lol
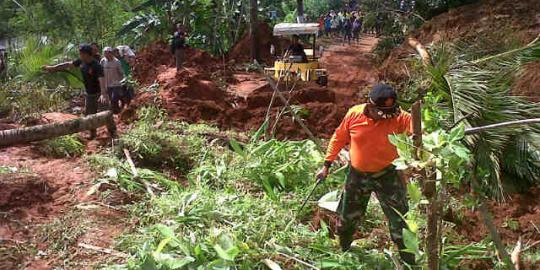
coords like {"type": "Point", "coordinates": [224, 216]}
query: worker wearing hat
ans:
{"type": "Point", "coordinates": [366, 129]}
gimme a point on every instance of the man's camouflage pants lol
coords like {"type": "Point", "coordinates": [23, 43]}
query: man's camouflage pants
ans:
{"type": "Point", "coordinates": [392, 195]}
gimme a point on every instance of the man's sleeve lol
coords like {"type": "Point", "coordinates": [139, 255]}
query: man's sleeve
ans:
{"type": "Point", "coordinates": [77, 63]}
{"type": "Point", "coordinates": [120, 69]}
{"type": "Point", "coordinates": [340, 138]}
{"type": "Point", "coordinates": [99, 70]}
{"type": "Point", "coordinates": [173, 45]}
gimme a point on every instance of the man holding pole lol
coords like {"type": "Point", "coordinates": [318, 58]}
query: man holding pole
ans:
{"type": "Point", "coordinates": [366, 129]}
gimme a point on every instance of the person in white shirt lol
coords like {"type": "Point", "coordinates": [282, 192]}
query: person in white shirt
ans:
{"type": "Point", "coordinates": [114, 75]}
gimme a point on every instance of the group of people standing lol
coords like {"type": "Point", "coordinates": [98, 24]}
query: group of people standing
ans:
{"type": "Point", "coordinates": [105, 78]}
{"type": "Point", "coordinates": [347, 24]}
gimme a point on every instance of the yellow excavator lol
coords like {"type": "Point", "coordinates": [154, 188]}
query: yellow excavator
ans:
{"type": "Point", "coordinates": [290, 66]}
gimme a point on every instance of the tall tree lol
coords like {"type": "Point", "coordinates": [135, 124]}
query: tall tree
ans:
{"type": "Point", "coordinates": [300, 10]}
{"type": "Point", "coordinates": [253, 30]}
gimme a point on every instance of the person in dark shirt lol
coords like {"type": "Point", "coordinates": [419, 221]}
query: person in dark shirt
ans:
{"type": "Point", "coordinates": [296, 49]}
{"type": "Point", "coordinates": [94, 82]}
{"type": "Point", "coordinates": [178, 46]}
{"type": "Point", "coordinates": [347, 31]}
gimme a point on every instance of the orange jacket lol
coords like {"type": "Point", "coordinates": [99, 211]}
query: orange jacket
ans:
{"type": "Point", "coordinates": [370, 149]}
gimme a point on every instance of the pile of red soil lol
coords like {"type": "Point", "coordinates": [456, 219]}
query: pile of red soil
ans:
{"type": "Point", "coordinates": [22, 191]}
{"type": "Point", "coordinates": [491, 21]}
{"type": "Point", "coordinates": [157, 57]}
{"type": "Point", "coordinates": [241, 51]}
{"type": "Point", "coordinates": [518, 217]}
{"type": "Point", "coordinates": [197, 94]}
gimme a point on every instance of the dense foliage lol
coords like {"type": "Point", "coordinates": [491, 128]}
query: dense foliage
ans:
{"type": "Point", "coordinates": [241, 213]}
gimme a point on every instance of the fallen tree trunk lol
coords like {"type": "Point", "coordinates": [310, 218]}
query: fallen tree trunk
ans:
{"type": "Point", "coordinates": [41, 132]}
{"type": "Point", "coordinates": [421, 50]}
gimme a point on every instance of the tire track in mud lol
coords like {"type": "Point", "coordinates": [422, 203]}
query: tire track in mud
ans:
{"type": "Point", "coordinates": [351, 70]}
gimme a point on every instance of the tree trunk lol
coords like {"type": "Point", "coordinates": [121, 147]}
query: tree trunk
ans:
{"type": "Point", "coordinates": [429, 190]}
{"type": "Point", "coordinates": [300, 10]}
{"type": "Point", "coordinates": [213, 38]}
{"type": "Point", "coordinates": [253, 30]}
{"type": "Point", "coordinates": [48, 131]}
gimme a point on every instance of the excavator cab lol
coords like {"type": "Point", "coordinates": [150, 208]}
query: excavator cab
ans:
{"type": "Point", "coordinates": [289, 67]}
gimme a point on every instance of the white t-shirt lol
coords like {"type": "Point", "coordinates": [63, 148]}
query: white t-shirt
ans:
{"type": "Point", "coordinates": [113, 72]}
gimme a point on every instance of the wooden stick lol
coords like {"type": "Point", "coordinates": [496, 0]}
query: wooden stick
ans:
{"type": "Point", "coordinates": [136, 174]}
{"type": "Point", "coordinates": [531, 246]}
{"type": "Point", "coordinates": [299, 261]}
{"type": "Point", "coordinates": [488, 222]}
{"type": "Point", "coordinates": [475, 130]}
{"type": "Point", "coordinates": [103, 250]}
{"type": "Point", "coordinates": [296, 117]}
{"type": "Point", "coordinates": [516, 254]}
{"type": "Point", "coordinates": [421, 50]}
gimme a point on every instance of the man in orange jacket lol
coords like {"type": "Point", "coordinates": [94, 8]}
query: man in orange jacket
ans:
{"type": "Point", "coordinates": [366, 129]}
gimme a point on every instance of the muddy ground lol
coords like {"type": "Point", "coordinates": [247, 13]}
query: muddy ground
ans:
{"type": "Point", "coordinates": [46, 201]}
{"type": "Point", "coordinates": [225, 95]}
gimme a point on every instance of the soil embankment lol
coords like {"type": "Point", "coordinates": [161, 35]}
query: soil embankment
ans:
{"type": "Point", "coordinates": [46, 202]}
{"type": "Point", "coordinates": [211, 91]}
{"type": "Point", "coordinates": [486, 26]}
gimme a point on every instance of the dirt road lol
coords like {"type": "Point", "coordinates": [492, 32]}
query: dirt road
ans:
{"type": "Point", "coordinates": [351, 69]}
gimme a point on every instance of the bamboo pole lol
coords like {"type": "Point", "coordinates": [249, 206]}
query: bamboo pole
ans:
{"type": "Point", "coordinates": [475, 130]}
{"type": "Point", "coordinates": [296, 117]}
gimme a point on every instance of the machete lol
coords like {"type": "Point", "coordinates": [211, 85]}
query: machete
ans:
{"type": "Point", "coordinates": [319, 181]}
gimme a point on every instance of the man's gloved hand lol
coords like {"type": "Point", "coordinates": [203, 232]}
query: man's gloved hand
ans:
{"type": "Point", "coordinates": [323, 173]}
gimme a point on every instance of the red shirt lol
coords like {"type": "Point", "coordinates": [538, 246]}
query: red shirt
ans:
{"type": "Point", "coordinates": [370, 148]}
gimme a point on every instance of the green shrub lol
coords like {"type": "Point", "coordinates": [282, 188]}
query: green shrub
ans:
{"type": "Point", "coordinates": [279, 165]}
{"type": "Point", "coordinates": [29, 60]}
{"type": "Point", "coordinates": [25, 102]}
{"type": "Point", "coordinates": [155, 142]}
{"type": "Point", "coordinates": [65, 146]}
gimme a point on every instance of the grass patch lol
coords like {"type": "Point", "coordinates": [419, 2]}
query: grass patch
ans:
{"type": "Point", "coordinates": [63, 232]}
{"type": "Point", "coordinates": [62, 147]}
{"type": "Point", "coordinates": [156, 143]}
{"type": "Point", "coordinates": [25, 102]}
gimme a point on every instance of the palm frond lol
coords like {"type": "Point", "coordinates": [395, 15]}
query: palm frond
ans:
{"type": "Point", "coordinates": [481, 90]}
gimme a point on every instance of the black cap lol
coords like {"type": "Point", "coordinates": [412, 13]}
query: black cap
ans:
{"type": "Point", "coordinates": [85, 48]}
{"type": "Point", "coordinates": [380, 93]}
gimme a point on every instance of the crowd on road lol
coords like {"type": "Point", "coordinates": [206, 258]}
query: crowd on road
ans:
{"type": "Point", "coordinates": [347, 24]}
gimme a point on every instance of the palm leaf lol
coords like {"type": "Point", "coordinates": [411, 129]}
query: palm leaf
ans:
{"type": "Point", "coordinates": [480, 90]}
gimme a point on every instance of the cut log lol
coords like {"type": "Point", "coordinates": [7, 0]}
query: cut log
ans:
{"type": "Point", "coordinates": [421, 50]}
{"type": "Point", "coordinates": [41, 132]}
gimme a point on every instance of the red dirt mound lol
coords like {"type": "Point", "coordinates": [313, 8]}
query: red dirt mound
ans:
{"type": "Point", "coordinates": [241, 51]}
{"type": "Point", "coordinates": [20, 190]}
{"type": "Point", "coordinates": [520, 216]}
{"type": "Point", "coordinates": [209, 91]}
{"type": "Point", "coordinates": [158, 57]}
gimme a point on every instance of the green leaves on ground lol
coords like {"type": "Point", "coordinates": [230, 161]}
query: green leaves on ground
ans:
{"type": "Point", "coordinates": [65, 146]}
